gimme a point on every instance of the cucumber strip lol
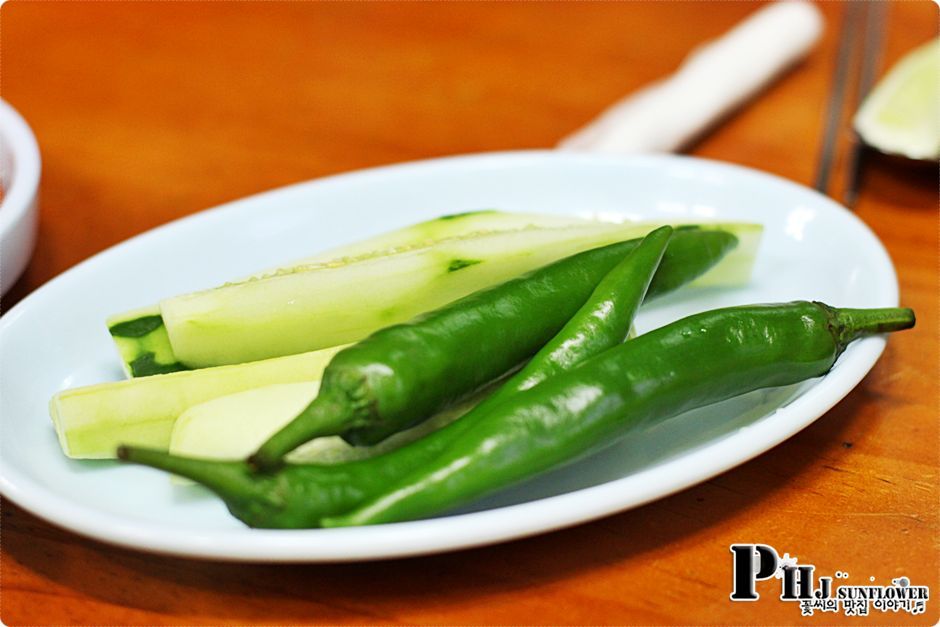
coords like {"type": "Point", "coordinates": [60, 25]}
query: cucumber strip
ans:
{"type": "Point", "coordinates": [735, 268]}
{"type": "Point", "coordinates": [233, 426]}
{"type": "Point", "coordinates": [92, 421]}
{"type": "Point", "coordinates": [425, 233]}
{"type": "Point", "coordinates": [228, 427]}
{"type": "Point", "coordinates": [144, 345]}
{"type": "Point", "coordinates": [310, 307]}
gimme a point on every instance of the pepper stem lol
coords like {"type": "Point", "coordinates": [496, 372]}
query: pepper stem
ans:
{"type": "Point", "coordinates": [851, 324]}
{"type": "Point", "coordinates": [325, 415]}
{"type": "Point", "coordinates": [230, 480]}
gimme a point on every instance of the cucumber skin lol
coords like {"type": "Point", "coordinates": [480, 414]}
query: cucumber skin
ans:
{"type": "Point", "coordinates": [92, 421]}
{"type": "Point", "coordinates": [142, 343]}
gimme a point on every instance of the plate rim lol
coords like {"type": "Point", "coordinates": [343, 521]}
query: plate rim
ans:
{"type": "Point", "coordinates": [476, 528]}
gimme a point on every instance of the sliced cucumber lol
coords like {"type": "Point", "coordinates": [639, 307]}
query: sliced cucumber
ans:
{"type": "Point", "coordinates": [144, 346]}
{"type": "Point", "coordinates": [233, 426]}
{"type": "Point", "coordinates": [425, 233]}
{"type": "Point", "coordinates": [92, 421]}
{"type": "Point", "coordinates": [735, 268]}
{"type": "Point", "coordinates": [428, 274]}
{"type": "Point", "coordinates": [309, 307]}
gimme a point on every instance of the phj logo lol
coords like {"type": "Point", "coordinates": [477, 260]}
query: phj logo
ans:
{"type": "Point", "coordinates": [798, 582]}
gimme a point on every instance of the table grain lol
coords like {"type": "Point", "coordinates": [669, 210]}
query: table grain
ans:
{"type": "Point", "coordinates": [149, 111]}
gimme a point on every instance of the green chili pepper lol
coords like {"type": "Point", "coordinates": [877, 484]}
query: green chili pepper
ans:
{"type": "Point", "coordinates": [300, 495]}
{"type": "Point", "coordinates": [696, 361]}
{"type": "Point", "coordinates": [402, 374]}
{"type": "Point", "coordinates": [602, 322]}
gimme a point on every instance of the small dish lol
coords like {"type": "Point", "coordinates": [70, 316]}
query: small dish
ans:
{"type": "Point", "coordinates": [19, 178]}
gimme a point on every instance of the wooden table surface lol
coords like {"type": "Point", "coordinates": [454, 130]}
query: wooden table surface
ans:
{"type": "Point", "coordinates": [150, 111]}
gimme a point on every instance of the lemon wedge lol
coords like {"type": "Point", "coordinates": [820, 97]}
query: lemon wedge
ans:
{"type": "Point", "coordinates": [902, 114]}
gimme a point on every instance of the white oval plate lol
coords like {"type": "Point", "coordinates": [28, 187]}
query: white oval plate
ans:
{"type": "Point", "coordinates": [56, 338]}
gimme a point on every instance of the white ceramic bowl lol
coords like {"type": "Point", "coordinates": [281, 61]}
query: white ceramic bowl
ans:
{"type": "Point", "coordinates": [19, 174]}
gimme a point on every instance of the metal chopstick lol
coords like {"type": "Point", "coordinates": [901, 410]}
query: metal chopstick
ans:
{"type": "Point", "coordinates": [874, 35]}
{"type": "Point", "coordinates": [847, 45]}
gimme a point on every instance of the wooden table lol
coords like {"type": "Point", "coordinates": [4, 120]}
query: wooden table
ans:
{"type": "Point", "coordinates": [147, 112]}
